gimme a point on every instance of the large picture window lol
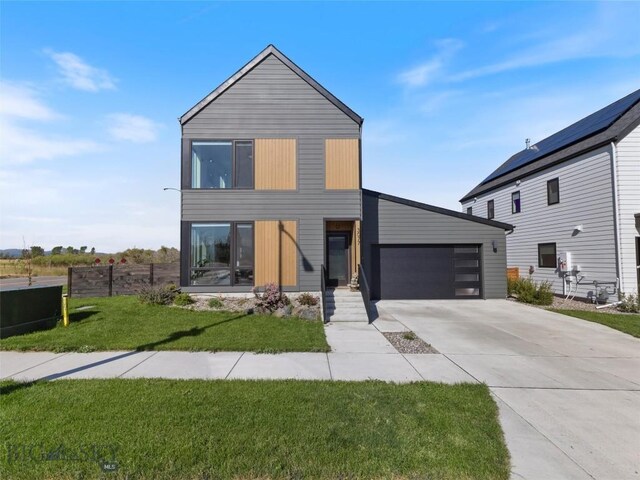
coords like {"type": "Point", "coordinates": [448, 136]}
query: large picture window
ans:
{"type": "Point", "coordinates": [221, 254]}
{"type": "Point", "coordinates": [547, 255]}
{"type": "Point", "coordinates": [222, 164]}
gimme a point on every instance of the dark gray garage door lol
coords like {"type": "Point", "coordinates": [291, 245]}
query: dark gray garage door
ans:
{"type": "Point", "coordinates": [404, 272]}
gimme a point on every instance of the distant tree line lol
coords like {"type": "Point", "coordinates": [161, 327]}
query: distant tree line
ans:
{"type": "Point", "coordinates": [71, 256]}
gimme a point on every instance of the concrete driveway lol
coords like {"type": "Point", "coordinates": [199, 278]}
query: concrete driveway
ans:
{"type": "Point", "coordinates": [568, 390]}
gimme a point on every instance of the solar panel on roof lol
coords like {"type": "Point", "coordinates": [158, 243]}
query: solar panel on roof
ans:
{"type": "Point", "coordinates": [588, 126]}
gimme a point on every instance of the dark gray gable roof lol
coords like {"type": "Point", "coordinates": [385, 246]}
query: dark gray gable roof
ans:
{"type": "Point", "coordinates": [600, 128]}
{"type": "Point", "coordinates": [270, 50]}
{"type": "Point", "coordinates": [439, 210]}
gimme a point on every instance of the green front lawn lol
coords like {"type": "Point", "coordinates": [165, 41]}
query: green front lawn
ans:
{"type": "Point", "coordinates": [123, 323]}
{"type": "Point", "coordinates": [624, 322]}
{"type": "Point", "coordinates": [176, 429]}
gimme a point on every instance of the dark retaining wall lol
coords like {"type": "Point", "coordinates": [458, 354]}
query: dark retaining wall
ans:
{"type": "Point", "coordinates": [29, 309]}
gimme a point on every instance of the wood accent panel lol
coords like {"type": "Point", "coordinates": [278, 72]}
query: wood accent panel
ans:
{"type": "Point", "coordinates": [276, 252]}
{"type": "Point", "coordinates": [342, 164]}
{"type": "Point", "coordinates": [275, 164]}
{"type": "Point", "coordinates": [513, 273]}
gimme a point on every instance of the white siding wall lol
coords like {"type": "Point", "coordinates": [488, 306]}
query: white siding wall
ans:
{"type": "Point", "coordinates": [585, 199]}
{"type": "Point", "coordinates": [628, 153]}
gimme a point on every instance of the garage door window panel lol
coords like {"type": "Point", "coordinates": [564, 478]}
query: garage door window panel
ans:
{"type": "Point", "coordinates": [467, 292]}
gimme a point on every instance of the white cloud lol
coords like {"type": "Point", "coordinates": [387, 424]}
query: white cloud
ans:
{"type": "Point", "coordinates": [20, 145]}
{"type": "Point", "coordinates": [21, 101]}
{"type": "Point", "coordinates": [79, 74]}
{"type": "Point", "coordinates": [132, 128]}
{"type": "Point", "coordinates": [429, 70]}
{"type": "Point", "coordinates": [37, 209]}
{"type": "Point", "coordinates": [610, 33]}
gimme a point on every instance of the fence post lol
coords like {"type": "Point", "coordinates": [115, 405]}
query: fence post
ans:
{"type": "Point", "coordinates": [151, 274]}
{"type": "Point", "coordinates": [110, 280]}
{"type": "Point", "coordinates": [69, 277]}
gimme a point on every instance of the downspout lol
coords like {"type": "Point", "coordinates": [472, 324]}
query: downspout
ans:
{"type": "Point", "coordinates": [616, 215]}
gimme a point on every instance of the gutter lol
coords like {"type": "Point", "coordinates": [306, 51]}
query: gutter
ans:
{"type": "Point", "coordinates": [616, 214]}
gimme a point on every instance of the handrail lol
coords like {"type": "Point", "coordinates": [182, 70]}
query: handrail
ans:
{"type": "Point", "coordinates": [366, 295]}
{"type": "Point", "coordinates": [323, 292]}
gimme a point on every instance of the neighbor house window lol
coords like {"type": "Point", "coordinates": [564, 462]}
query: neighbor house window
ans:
{"type": "Point", "coordinates": [222, 164]}
{"type": "Point", "coordinates": [547, 255]}
{"type": "Point", "coordinates": [490, 210]}
{"type": "Point", "coordinates": [515, 202]}
{"type": "Point", "coordinates": [553, 191]}
{"type": "Point", "coordinates": [221, 254]}
{"type": "Point", "coordinates": [469, 210]}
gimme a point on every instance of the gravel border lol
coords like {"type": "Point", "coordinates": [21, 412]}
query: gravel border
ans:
{"type": "Point", "coordinates": [559, 303]}
{"type": "Point", "coordinates": [408, 345]}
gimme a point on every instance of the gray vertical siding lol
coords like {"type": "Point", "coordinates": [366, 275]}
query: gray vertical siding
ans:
{"type": "Point", "coordinates": [389, 222]}
{"type": "Point", "coordinates": [271, 101]}
{"type": "Point", "coordinates": [586, 199]}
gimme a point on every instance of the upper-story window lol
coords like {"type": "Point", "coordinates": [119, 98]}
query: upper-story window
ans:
{"type": "Point", "coordinates": [469, 210]}
{"type": "Point", "coordinates": [490, 210]}
{"type": "Point", "coordinates": [221, 164]}
{"type": "Point", "coordinates": [553, 191]}
{"type": "Point", "coordinates": [515, 202]}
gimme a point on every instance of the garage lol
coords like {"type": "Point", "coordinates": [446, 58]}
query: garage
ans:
{"type": "Point", "coordinates": [413, 250]}
{"type": "Point", "coordinates": [426, 272]}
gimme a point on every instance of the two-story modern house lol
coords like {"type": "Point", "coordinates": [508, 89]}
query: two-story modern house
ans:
{"type": "Point", "coordinates": [574, 199]}
{"type": "Point", "coordinates": [271, 193]}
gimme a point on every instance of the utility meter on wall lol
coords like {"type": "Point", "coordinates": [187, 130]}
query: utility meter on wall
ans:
{"type": "Point", "coordinates": [564, 262]}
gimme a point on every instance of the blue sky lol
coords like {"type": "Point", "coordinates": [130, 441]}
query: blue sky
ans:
{"type": "Point", "coordinates": [90, 94]}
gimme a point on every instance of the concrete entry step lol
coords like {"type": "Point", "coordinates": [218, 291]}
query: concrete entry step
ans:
{"type": "Point", "coordinates": [343, 305]}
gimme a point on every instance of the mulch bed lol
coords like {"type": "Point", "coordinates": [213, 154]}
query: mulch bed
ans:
{"type": "Point", "coordinates": [408, 342]}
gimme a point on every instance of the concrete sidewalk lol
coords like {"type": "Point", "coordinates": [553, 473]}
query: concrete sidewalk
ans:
{"type": "Point", "coordinates": [359, 352]}
{"type": "Point", "coordinates": [392, 367]}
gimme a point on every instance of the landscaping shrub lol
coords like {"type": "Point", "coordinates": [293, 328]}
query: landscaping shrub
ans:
{"type": "Point", "coordinates": [629, 304]}
{"type": "Point", "coordinates": [158, 295]}
{"type": "Point", "coordinates": [307, 299]}
{"type": "Point", "coordinates": [183, 299]}
{"type": "Point", "coordinates": [215, 303]}
{"type": "Point", "coordinates": [409, 336]}
{"type": "Point", "coordinates": [272, 298]}
{"type": "Point", "coordinates": [526, 290]}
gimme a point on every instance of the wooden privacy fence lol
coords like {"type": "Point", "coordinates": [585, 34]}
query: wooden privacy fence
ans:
{"type": "Point", "coordinates": [107, 281]}
{"type": "Point", "coordinates": [513, 273]}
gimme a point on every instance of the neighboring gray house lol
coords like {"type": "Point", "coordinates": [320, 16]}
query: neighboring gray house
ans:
{"type": "Point", "coordinates": [271, 193]}
{"type": "Point", "coordinates": [574, 199]}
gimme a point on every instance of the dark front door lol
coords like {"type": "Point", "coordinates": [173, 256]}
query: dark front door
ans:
{"type": "Point", "coordinates": [337, 259]}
